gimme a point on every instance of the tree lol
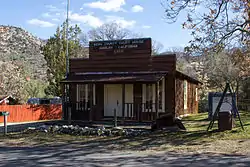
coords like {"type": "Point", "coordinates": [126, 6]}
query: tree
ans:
{"type": "Point", "coordinates": [35, 88]}
{"type": "Point", "coordinates": [156, 47]}
{"type": "Point", "coordinates": [55, 55]}
{"type": "Point", "coordinates": [12, 80]}
{"type": "Point", "coordinates": [225, 67]}
{"type": "Point", "coordinates": [221, 69]}
{"type": "Point", "coordinates": [110, 31]}
{"type": "Point", "coordinates": [114, 31]}
{"type": "Point", "coordinates": [184, 61]}
{"type": "Point", "coordinates": [214, 24]}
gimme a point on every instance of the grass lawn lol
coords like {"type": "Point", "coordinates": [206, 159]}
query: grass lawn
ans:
{"type": "Point", "coordinates": [195, 139]}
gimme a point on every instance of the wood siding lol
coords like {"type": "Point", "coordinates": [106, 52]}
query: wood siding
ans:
{"type": "Point", "coordinates": [192, 104]}
{"type": "Point", "coordinates": [170, 94]}
{"type": "Point", "coordinates": [98, 113]}
{"type": "Point", "coordinates": [163, 63]}
{"type": "Point", "coordinates": [124, 63]}
{"type": "Point", "coordinates": [179, 106]}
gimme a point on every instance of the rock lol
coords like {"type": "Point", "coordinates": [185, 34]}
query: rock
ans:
{"type": "Point", "coordinates": [117, 128]}
{"type": "Point", "coordinates": [17, 42]}
{"type": "Point", "coordinates": [87, 131]}
{"type": "Point", "coordinates": [107, 132]}
{"type": "Point", "coordinates": [44, 127]}
{"type": "Point", "coordinates": [163, 121]}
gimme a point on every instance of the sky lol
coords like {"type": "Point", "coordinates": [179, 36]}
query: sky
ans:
{"type": "Point", "coordinates": [41, 17]}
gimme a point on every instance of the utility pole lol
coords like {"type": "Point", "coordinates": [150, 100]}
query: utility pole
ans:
{"type": "Point", "coordinates": [66, 88]}
{"type": "Point", "coordinates": [67, 40]}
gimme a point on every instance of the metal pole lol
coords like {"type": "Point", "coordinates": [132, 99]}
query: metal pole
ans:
{"type": "Point", "coordinates": [5, 124]}
{"type": "Point", "coordinates": [115, 118]}
{"type": "Point", "coordinates": [67, 56]}
{"type": "Point", "coordinates": [67, 39]}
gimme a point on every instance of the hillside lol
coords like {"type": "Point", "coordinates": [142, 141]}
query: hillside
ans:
{"type": "Point", "coordinates": [17, 44]}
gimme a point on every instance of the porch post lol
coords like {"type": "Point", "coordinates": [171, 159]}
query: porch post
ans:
{"type": "Point", "coordinates": [156, 98]}
{"type": "Point", "coordinates": [123, 102]}
{"type": "Point", "coordinates": [94, 98]}
{"type": "Point", "coordinates": [163, 95]}
{"type": "Point", "coordinates": [63, 101]}
{"type": "Point", "coordinates": [90, 100]}
{"type": "Point", "coordinates": [86, 97]}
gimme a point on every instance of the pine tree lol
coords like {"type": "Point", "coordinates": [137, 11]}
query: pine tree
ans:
{"type": "Point", "coordinates": [55, 55]}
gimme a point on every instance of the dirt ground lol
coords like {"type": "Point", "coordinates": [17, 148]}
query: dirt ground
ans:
{"type": "Point", "coordinates": [107, 153]}
{"type": "Point", "coordinates": [194, 147]}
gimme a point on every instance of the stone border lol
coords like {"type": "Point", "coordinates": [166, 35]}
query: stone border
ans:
{"type": "Point", "coordinates": [18, 127]}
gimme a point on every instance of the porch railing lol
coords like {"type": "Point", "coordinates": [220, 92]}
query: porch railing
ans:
{"type": "Point", "coordinates": [132, 111]}
{"type": "Point", "coordinates": [140, 111]}
{"type": "Point", "coordinates": [79, 110]}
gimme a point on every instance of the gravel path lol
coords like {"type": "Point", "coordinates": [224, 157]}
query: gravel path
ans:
{"type": "Point", "coordinates": [95, 156]}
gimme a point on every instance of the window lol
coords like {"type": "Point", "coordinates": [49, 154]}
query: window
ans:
{"type": "Point", "coordinates": [185, 94]}
{"type": "Point", "coordinates": [196, 94]}
{"type": "Point", "coordinates": [89, 93]}
{"type": "Point", "coordinates": [82, 97]}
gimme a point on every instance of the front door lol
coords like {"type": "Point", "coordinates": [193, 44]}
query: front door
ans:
{"type": "Point", "coordinates": [112, 99]}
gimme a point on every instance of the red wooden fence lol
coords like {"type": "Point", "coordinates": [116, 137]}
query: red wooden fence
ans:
{"type": "Point", "coordinates": [28, 113]}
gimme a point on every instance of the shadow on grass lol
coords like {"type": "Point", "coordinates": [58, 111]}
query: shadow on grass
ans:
{"type": "Point", "coordinates": [199, 120]}
{"type": "Point", "coordinates": [155, 139]}
{"type": "Point", "coordinates": [91, 155]}
{"type": "Point", "coordinates": [196, 135]}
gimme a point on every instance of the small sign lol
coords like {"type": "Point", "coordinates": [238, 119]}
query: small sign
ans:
{"type": "Point", "coordinates": [213, 101]}
{"type": "Point", "coordinates": [4, 113]}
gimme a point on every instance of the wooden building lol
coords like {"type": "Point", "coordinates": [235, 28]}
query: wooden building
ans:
{"type": "Point", "coordinates": [124, 76]}
{"type": "Point", "coordinates": [7, 100]}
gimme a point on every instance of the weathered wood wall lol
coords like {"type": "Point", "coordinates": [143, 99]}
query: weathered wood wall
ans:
{"type": "Point", "coordinates": [122, 60]}
{"type": "Point", "coordinates": [192, 104]}
{"type": "Point", "coordinates": [179, 105]}
{"type": "Point", "coordinates": [170, 99]}
{"type": "Point", "coordinates": [124, 63]}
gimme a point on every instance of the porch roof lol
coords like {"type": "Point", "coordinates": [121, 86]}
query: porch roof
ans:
{"type": "Point", "coordinates": [119, 77]}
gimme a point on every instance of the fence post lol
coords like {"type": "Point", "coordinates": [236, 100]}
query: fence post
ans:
{"type": "Point", "coordinates": [115, 118]}
{"type": "Point", "coordinates": [5, 124]}
{"type": "Point", "coordinates": [5, 115]}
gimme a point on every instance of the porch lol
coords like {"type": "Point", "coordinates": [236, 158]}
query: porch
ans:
{"type": "Point", "coordinates": [133, 112]}
{"type": "Point", "coordinates": [138, 99]}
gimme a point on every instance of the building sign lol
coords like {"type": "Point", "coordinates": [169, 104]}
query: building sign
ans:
{"type": "Point", "coordinates": [118, 46]}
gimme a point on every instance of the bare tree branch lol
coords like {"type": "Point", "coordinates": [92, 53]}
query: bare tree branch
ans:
{"type": "Point", "coordinates": [212, 23]}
